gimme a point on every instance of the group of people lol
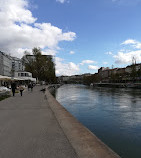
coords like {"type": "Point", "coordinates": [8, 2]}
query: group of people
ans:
{"type": "Point", "coordinates": [20, 88]}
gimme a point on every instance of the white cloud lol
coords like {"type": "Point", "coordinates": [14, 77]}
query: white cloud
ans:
{"type": "Point", "coordinates": [62, 1]}
{"type": "Point", "coordinates": [49, 52]}
{"type": "Point", "coordinates": [125, 55]}
{"type": "Point", "coordinates": [126, 58]}
{"type": "Point", "coordinates": [129, 41]}
{"type": "Point", "coordinates": [109, 53]}
{"type": "Point", "coordinates": [65, 68]}
{"type": "Point", "coordinates": [87, 62]}
{"type": "Point", "coordinates": [72, 52]}
{"type": "Point", "coordinates": [138, 45]}
{"type": "Point", "coordinates": [19, 30]}
{"type": "Point", "coordinates": [105, 63]}
{"type": "Point", "coordinates": [133, 43]}
{"type": "Point", "coordinates": [15, 11]}
{"type": "Point", "coordinates": [93, 67]}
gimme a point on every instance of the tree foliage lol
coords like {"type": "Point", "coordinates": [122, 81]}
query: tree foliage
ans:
{"type": "Point", "coordinates": [91, 79]}
{"type": "Point", "coordinates": [41, 66]}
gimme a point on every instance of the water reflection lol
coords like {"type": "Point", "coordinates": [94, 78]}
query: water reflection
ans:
{"type": "Point", "coordinates": [114, 115]}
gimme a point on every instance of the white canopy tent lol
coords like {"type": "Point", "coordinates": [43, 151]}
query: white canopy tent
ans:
{"type": "Point", "coordinates": [5, 77]}
{"type": "Point", "coordinates": [18, 79]}
{"type": "Point", "coordinates": [28, 79]}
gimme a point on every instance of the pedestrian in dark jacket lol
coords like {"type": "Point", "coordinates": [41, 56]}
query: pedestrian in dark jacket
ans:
{"type": "Point", "coordinates": [29, 86]}
{"type": "Point", "coordinates": [13, 88]}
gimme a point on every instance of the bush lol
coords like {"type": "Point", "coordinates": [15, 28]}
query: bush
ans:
{"type": "Point", "coordinates": [4, 97]}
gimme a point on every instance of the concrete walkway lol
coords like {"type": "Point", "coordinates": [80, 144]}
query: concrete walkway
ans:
{"type": "Point", "coordinates": [29, 129]}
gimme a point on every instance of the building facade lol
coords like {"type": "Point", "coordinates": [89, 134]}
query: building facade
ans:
{"type": "Point", "coordinates": [9, 65]}
{"type": "Point", "coordinates": [17, 64]}
{"type": "Point", "coordinates": [5, 64]}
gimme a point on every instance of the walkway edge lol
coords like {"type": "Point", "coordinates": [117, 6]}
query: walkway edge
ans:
{"type": "Point", "coordinates": [84, 142]}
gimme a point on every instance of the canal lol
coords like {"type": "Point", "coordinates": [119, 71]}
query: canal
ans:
{"type": "Point", "coordinates": [113, 115]}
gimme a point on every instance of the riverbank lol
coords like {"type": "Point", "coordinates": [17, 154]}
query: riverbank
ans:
{"type": "Point", "coordinates": [53, 87]}
{"type": "Point", "coordinates": [84, 142]}
{"type": "Point", "coordinates": [117, 85]}
{"type": "Point", "coordinates": [112, 114]}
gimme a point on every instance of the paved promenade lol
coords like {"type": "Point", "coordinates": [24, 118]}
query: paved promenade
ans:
{"type": "Point", "coordinates": [29, 129]}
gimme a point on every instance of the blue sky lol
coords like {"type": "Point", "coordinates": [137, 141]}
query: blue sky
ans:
{"type": "Point", "coordinates": [83, 35]}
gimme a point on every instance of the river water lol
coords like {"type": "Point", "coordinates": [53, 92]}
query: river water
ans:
{"type": "Point", "coordinates": [113, 115]}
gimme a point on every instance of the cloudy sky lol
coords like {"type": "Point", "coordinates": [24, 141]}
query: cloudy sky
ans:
{"type": "Point", "coordinates": [83, 35]}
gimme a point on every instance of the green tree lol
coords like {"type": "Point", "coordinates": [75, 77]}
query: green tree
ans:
{"type": "Point", "coordinates": [139, 71]}
{"type": "Point", "coordinates": [133, 72]}
{"type": "Point", "coordinates": [91, 79]}
{"type": "Point", "coordinates": [41, 66]}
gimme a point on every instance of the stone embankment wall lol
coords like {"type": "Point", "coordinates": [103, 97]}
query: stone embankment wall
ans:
{"type": "Point", "coordinates": [84, 142]}
{"type": "Point", "coordinates": [52, 87]}
{"type": "Point", "coordinates": [117, 85]}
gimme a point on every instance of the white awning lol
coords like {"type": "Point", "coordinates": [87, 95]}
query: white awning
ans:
{"type": "Point", "coordinates": [18, 79]}
{"type": "Point", "coordinates": [28, 79]}
{"type": "Point", "coordinates": [4, 78]}
{"type": "Point", "coordinates": [33, 79]}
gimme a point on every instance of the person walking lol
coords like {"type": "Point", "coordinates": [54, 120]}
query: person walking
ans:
{"type": "Point", "coordinates": [21, 89]}
{"type": "Point", "coordinates": [13, 87]}
{"type": "Point", "coordinates": [29, 86]}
